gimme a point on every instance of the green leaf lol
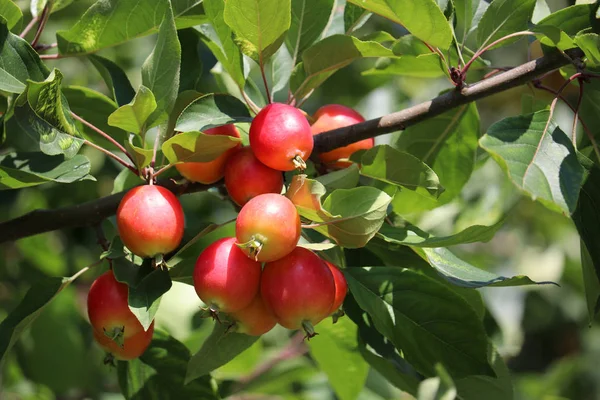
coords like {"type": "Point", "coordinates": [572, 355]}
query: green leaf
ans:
{"type": "Point", "coordinates": [420, 66]}
{"type": "Point", "coordinates": [590, 44]}
{"type": "Point", "coordinates": [43, 114]}
{"type": "Point", "coordinates": [132, 117]}
{"type": "Point", "coordinates": [259, 26]}
{"type": "Point", "coordinates": [18, 170]}
{"type": "Point", "coordinates": [538, 157]}
{"type": "Point", "coordinates": [146, 286]}
{"type": "Point", "coordinates": [447, 143]}
{"type": "Point", "coordinates": [220, 41]}
{"type": "Point", "coordinates": [217, 350]}
{"type": "Point", "coordinates": [10, 12]}
{"type": "Point", "coordinates": [280, 68]}
{"type": "Point", "coordinates": [379, 352]}
{"type": "Point", "coordinates": [422, 18]}
{"type": "Point", "coordinates": [309, 19]}
{"type": "Point", "coordinates": [95, 108]}
{"type": "Point", "coordinates": [141, 156]}
{"type": "Point", "coordinates": [336, 352]}
{"type": "Point", "coordinates": [389, 165]}
{"type": "Point", "coordinates": [18, 62]}
{"type": "Point", "coordinates": [37, 6]}
{"type": "Point", "coordinates": [410, 235]}
{"type": "Point", "coordinates": [306, 195]}
{"type": "Point", "coordinates": [359, 213]}
{"type": "Point", "coordinates": [464, 11]}
{"type": "Point", "coordinates": [109, 23]}
{"type": "Point", "coordinates": [354, 17]}
{"type": "Point", "coordinates": [197, 147]}
{"type": "Point", "coordinates": [502, 18]}
{"type": "Point", "coordinates": [554, 37]}
{"type": "Point", "coordinates": [424, 320]}
{"type": "Point", "coordinates": [463, 274]}
{"type": "Point", "coordinates": [160, 72]}
{"type": "Point", "coordinates": [345, 178]}
{"type": "Point", "coordinates": [325, 57]}
{"type": "Point", "coordinates": [115, 79]}
{"type": "Point", "coordinates": [590, 106]}
{"type": "Point", "coordinates": [159, 373]}
{"type": "Point", "coordinates": [440, 387]}
{"type": "Point", "coordinates": [587, 220]}
{"type": "Point", "coordinates": [212, 110]}
{"type": "Point", "coordinates": [191, 62]}
{"type": "Point", "coordinates": [573, 19]}
{"type": "Point", "coordinates": [37, 297]}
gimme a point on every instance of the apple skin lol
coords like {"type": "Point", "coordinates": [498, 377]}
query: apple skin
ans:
{"type": "Point", "coordinates": [210, 171]}
{"type": "Point", "coordinates": [271, 219]}
{"type": "Point", "coordinates": [224, 278]}
{"type": "Point", "coordinates": [278, 134]}
{"type": "Point", "coordinates": [333, 116]}
{"type": "Point", "coordinates": [341, 287]}
{"type": "Point", "coordinates": [298, 288]}
{"type": "Point", "coordinates": [246, 177]}
{"type": "Point", "coordinates": [150, 220]}
{"type": "Point", "coordinates": [256, 319]}
{"type": "Point", "coordinates": [108, 309]}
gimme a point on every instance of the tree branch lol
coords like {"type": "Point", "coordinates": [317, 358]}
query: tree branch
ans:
{"type": "Point", "coordinates": [400, 120]}
{"type": "Point", "coordinates": [94, 211]}
{"type": "Point", "coordinates": [86, 214]}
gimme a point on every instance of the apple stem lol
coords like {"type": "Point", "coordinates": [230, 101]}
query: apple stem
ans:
{"type": "Point", "coordinates": [116, 335]}
{"type": "Point", "coordinates": [254, 246]}
{"type": "Point", "coordinates": [337, 315]}
{"type": "Point", "coordinates": [299, 163]}
{"type": "Point", "coordinates": [309, 329]}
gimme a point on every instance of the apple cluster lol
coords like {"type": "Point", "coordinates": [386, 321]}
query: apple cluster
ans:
{"type": "Point", "coordinates": [257, 279]}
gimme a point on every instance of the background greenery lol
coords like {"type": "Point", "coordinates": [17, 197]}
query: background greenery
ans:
{"type": "Point", "coordinates": [542, 331]}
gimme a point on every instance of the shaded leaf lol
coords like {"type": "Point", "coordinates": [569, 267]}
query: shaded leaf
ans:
{"type": "Point", "coordinates": [132, 117]}
{"type": "Point", "coordinates": [538, 157]}
{"type": "Point", "coordinates": [160, 371]}
{"type": "Point", "coordinates": [410, 235]}
{"type": "Point", "coordinates": [590, 44]}
{"type": "Point", "coordinates": [197, 147]}
{"type": "Point", "coordinates": [389, 165]}
{"type": "Point", "coordinates": [37, 6]}
{"type": "Point", "coordinates": [11, 13]}
{"type": "Point", "coordinates": [502, 18]}
{"type": "Point", "coordinates": [217, 350]}
{"type": "Point", "coordinates": [461, 273]}
{"type": "Point", "coordinates": [191, 62]}
{"type": "Point", "coordinates": [212, 110]}
{"type": "Point", "coordinates": [18, 170]}
{"type": "Point", "coordinates": [423, 18]}
{"type": "Point", "coordinates": [18, 62]}
{"type": "Point", "coordinates": [160, 72]}
{"type": "Point", "coordinates": [345, 178]}
{"type": "Point", "coordinates": [259, 26]}
{"type": "Point", "coordinates": [354, 17]}
{"type": "Point", "coordinates": [424, 320]}
{"type": "Point", "coordinates": [325, 57]}
{"type": "Point", "coordinates": [115, 79]}
{"type": "Point", "coordinates": [336, 352]}
{"type": "Point", "coordinates": [308, 20]}
{"type": "Point", "coordinates": [141, 156]}
{"type": "Point", "coordinates": [573, 19]}
{"type": "Point", "coordinates": [440, 387]}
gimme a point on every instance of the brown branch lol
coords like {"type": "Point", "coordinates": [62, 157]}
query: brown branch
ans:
{"type": "Point", "coordinates": [93, 212]}
{"type": "Point", "coordinates": [85, 214]}
{"type": "Point", "coordinates": [400, 120]}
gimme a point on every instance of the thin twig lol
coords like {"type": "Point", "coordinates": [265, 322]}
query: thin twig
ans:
{"type": "Point", "coordinates": [83, 270]}
{"type": "Point", "coordinates": [112, 155]}
{"type": "Point", "coordinates": [44, 47]}
{"type": "Point", "coordinates": [42, 25]}
{"type": "Point", "coordinates": [163, 169]}
{"type": "Point", "coordinates": [30, 25]}
{"type": "Point", "coordinates": [104, 135]}
{"type": "Point", "coordinates": [576, 117]}
{"type": "Point", "coordinates": [264, 77]}
{"type": "Point", "coordinates": [51, 56]}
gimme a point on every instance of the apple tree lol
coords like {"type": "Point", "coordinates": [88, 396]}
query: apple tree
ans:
{"type": "Point", "coordinates": [299, 198]}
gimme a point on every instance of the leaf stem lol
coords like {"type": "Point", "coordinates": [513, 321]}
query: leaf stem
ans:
{"type": "Point", "coordinates": [479, 52]}
{"type": "Point", "coordinates": [83, 270]}
{"type": "Point", "coordinates": [104, 135]}
{"type": "Point", "coordinates": [42, 25]}
{"type": "Point", "coordinates": [51, 56]}
{"type": "Point", "coordinates": [264, 77]}
{"type": "Point", "coordinates": [163, 169]}
{"type": "Point", "coordinates": [112, 155]}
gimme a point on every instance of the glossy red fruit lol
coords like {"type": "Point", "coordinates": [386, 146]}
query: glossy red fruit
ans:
{"type": "Point", "coordinates": [299, 289]}
{"type": "Point", "coordinates": [150, 220]}
{"type": "Point", "coordinates": [335, 116]}
{"type": "Point", "coordinates": [254, 320]}
{"type": "Point", "coordinates": [225, 279]}
{"type": "Point", "coordinates": [280, 137]}
{"type": "Point", "coordinates": [268, 227]}
{"type": "Point", "coordinates": [111, 317]}
{"type": "Point", "coordinates": [341, 287]}
{"type": "Point", "coordinates": [211, 171]}
{"type": "Point", "coordinates": [246, 177]}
